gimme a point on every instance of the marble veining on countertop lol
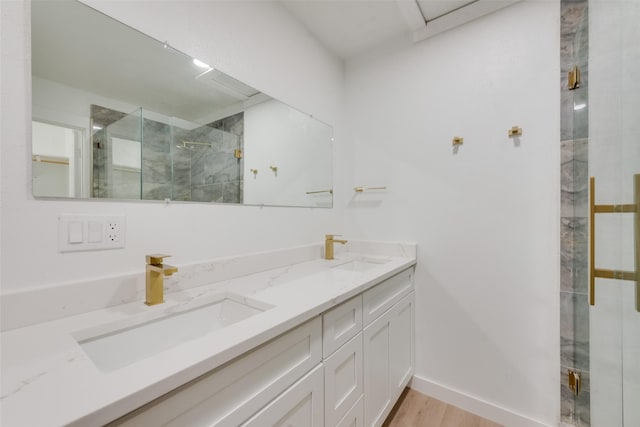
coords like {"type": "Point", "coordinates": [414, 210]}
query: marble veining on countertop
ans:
{"type": "Point", "coordinates": [48, 379]}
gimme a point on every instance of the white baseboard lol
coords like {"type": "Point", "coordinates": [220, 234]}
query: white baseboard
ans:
{"type": "Point", "coordinates": [473, 404]}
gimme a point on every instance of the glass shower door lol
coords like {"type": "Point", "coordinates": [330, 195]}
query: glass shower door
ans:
{"type": "Point", "coordinates": [117, 151]}
{"type": "Point", "coordinates": [614, 162]}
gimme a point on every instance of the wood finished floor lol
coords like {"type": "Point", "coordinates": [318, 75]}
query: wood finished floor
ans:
{"type": "Point", "coordinates": [417, 410]}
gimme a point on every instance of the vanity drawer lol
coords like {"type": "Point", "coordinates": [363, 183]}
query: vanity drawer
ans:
{"type": "Point", "coordinates": [340, 324]}
{"type": "Point", "coordinates": [383, 296]}
{"type": "Point", "coordinates": [229, 395]}
{"type": "Point", "coordinates": [302, 405]}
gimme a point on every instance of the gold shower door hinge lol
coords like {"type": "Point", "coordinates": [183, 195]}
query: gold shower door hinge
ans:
{"type": "Point", "coordinates": [237, 154]}
{"type": "Point", "coordinates": [573, 378]}
{"type": "Point", "coordinates": [573, 79]}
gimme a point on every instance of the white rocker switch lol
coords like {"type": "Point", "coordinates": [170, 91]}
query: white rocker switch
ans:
{"type": "Point", "coordinates": [76, 234]}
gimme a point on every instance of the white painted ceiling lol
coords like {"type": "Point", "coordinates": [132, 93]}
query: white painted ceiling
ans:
{"type": "Point", "coordinates": [348, 28]}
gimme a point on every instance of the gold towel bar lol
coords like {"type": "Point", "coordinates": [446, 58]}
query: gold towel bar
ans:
{"type": "Point", "coordinates": [52, 160]}
{"type": "Point", "coordinates": [330, 191]}
{"type": "Point", "coordinates": [613, 274]}
{"type": "Point", "coordinates": [363, 189]}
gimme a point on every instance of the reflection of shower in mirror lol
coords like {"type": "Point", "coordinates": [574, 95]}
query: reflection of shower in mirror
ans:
{"type": "Point", "coordinates": [161, 125]}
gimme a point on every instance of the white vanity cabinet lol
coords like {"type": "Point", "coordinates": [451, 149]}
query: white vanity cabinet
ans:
{"type": "Point", "coordinates": [388, 343]}
{"type": "Point", "coordinates": [345, 368]}
{"type": "Point", "coordinates": [365, 376]}
{"type": "Point", "coordinates": [232, 393]}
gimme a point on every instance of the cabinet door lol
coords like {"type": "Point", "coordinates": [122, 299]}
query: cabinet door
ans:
{"type": "Point", "coordinates": [302, 405]}
{"type": "Point", "coordinates": [355, 416]}
{"type": "Point", "coordinates": [377, 375]}
{"type": "Point", "coordinates": [343, 380]}
{"type": "Point", "coordinates": [402, 345]}
{"type": "Point", "coordinates": [388, 359]}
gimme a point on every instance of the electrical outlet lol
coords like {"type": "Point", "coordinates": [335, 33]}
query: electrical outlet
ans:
{"type": "Point", "coordinates": [90, 232]}
{"type": "Point", "coordinates": [113, 230]}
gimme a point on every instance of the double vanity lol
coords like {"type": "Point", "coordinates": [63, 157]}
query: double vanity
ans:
{"type": "Point", "coordinates": [254, 340]}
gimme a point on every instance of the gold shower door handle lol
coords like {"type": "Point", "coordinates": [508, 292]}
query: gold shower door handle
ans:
{"type": "Point", "coordinates": [613, 274]}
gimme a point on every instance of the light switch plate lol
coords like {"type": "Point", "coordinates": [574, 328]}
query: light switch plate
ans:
{"type": "Point", "coordinates": [75, 233]}
{"type": "Point", "coordinates": [96, 231]}
{"type": "Point", "coordinates": [90, 232]}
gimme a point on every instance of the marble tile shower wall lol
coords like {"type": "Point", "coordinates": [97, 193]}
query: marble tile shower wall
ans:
{"type": "Point", "coordinates": [156, 166]}
{"type": "Point", "coordinates": [574, 308]}
{"type": "Point", "coordinates": [110, 181]}
{"type": "Point", "coordinates": [216, 174]}
{"type": "Point", "coordinates": [172, 167]}
{"type": "Point", "coordinates": [227, 180]}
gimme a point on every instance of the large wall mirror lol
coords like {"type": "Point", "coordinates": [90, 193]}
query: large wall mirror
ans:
{"type": "Point", "coordinates": [120, 115]}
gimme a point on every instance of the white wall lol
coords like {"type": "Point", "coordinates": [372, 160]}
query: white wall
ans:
{"type": "Point", "coordinates": [614, 157]}
{"type": "Point", "coordinates": [486, 219]}
{"type": "Point", "coordinates": [299, 147]}
{"type": "Point", "coordinates": [53, 179]}
{"type": "Point", "coordinates": [256, 42]}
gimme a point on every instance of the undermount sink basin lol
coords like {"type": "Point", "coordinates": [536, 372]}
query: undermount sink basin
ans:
{"type": "Point", "coordinates": [361, 264]}
{"type": "Point", "coordinates": [121, 343]}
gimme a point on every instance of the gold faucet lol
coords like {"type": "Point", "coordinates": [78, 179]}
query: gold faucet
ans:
{"type": "Point", "coordinates": [156, 271]}
{"type": "Point", "coordinates": [328, 245]}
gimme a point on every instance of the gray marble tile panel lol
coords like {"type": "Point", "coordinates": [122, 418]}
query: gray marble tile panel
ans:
{"type": "Point", "coordinates": [575, 409]}
{"type": "Point", "coordinates": [566, 113]}
{"type": "Point", "coordinates": [566, 255]}
{"type": "Point", "coordinates": [566, 178]}
{"type": "Point", "coordinates": [181, 193]}
{"type": "Point", "coordinates": [574, 179]}
{"type": "Point", "coordinates": [178, 135]}
{"type": "Point", "coordinates": [574, 330]}
{"type": "Point", "coordinates": [129, 127]}
{"type": "Point", "coordinates": [581, 150]}
{"type": "Point", "coordinates": [124, 184]}
{"type": "Point", "coordinates": [580, 116]}
{"type": "Point", "coordinates": [181, 170]}
{"type": "Point", "coordinates": [207, 193]}
{"type": "Point", "coordinates": [573, 255]}
{"type": "Point", "coordinates": [214, 167]}
{"type": "Point", "coordinates": [231, 192]}
{"type": "Point", "coordinates": [156, 191]}
{"type": "Point", "coordinates": [156, 167]}
{"type": "Point", "coordinates": [574, 309]}
{"type": "Point", "coordinates": [574, 35]}
{"type": "Point", "coordinates": [103, 116]}
{"type": "Point", "coordinates": [157, 137]}
{"type": "Point", "coordinates": [230, 142]}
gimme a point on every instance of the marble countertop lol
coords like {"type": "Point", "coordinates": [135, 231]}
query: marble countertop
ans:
{"type": "Point", "coordinates": [48, 379]}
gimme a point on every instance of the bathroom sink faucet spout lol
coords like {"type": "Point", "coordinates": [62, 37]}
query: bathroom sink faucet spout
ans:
{"type": "Point", "coordinates": [155, 272]}
{"type": "Point", "coordinates": [328, 245]}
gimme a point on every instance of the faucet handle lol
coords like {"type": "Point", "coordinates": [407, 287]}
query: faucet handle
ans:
{"type": "Point", "coordinates": [156, 258]}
